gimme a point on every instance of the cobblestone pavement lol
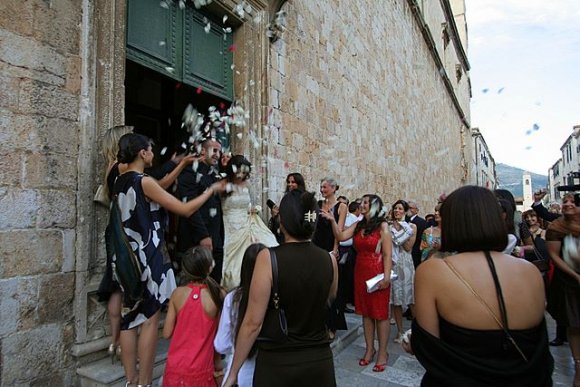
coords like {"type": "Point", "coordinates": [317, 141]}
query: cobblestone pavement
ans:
{"type": "Point", "coordinates": [404, 369]}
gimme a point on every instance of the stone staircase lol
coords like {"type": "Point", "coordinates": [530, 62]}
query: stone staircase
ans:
{"type": "Point", "coordinates": [102, 373]}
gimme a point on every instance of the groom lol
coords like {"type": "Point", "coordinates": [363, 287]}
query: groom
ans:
{"type": "Point", "coordinates": [205, 226]}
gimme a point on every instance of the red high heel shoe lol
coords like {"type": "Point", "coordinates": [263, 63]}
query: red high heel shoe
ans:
{"type": "Point", "coordinates": [381, 367]}
{"type": "Point", "coordinates": [364, 362]}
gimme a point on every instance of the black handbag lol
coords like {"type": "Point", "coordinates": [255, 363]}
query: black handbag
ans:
{"type": "Point", "coordinates": [274, 327]}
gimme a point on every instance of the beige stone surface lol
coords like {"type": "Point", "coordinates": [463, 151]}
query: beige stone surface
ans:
{"type": "Point", "coordinates": [30, 252]}
{"type": "Point", "coordinates": [49, 170]}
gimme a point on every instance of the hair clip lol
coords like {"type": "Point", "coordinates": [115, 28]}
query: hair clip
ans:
{"type": "Point", "coordinates": [310, 216]}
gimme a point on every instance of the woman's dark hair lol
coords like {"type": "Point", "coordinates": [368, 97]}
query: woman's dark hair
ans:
{"type": "Point", "coordinates": [238, 164]}
{"type": "Point", "coordinates": [294, 208]}
{"type": "Point", "coordinates": [130, 145]}
{"type": "Point", "coordinates": [242, 295]}
{"type": "Point", "coordinates": [196, 264]}
{"type": "Point", "coordinates": [507, 195]}
{"type": "Point", "coordinates": [299, 179]}
{"type": "Point", "coordinates": [376, 215]}
{"type": "Point", "coordinates": [402, 203]}
{"type": "Point", "coordinates": [508, 210]}
{"type": "Point", "coordinates": [471, 220]}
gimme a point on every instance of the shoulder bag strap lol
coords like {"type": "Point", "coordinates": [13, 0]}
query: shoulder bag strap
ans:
{"type": "Point", "coordinates": [486, 305]}
{"type": "Point", "coordinates": [275, 296]}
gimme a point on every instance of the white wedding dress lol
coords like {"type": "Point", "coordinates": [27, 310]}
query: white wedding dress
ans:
{"type": "Point", "coordinates": [241, 229]}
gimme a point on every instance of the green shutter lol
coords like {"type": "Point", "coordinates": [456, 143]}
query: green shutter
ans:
{"type": "Point", "coordinates": [207, 58]}
{"type": "Point", "coordinates": [154, 36]}
{"type": "Point", "coordinates": [173, 42]}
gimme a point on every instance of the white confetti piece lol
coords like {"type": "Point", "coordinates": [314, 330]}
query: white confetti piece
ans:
{"type": "Point", "coordinates": [224, 19]}
{"type": "Point", "coordinates": [212, 212]}
{"type": "Point", "coordinates": [181, 4]}
{"type": "Point", "coordinates": [239, 135]}
{"type": "Point", "coordinates": [207, 28]}
{"type": "Point", "coordinates": [162, 42]}
{"type": "Point", "coordinates": [163, 151]}
{"type": "Point", "coordinates": [170, 69]}
{"type": "Point", "coordinates": [183, 146]}
{"type": "Point", "coordinates": [195, 165]}
{"type": "Point", "coordinates": [164, 4]}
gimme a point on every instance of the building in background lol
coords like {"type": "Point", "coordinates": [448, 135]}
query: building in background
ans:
{"type": "Point", "coordinates": [565, 171]}
{"type": "Point", "coordinates": [483, 164]}
{"type": "Point", "coordinates": [375, 93]}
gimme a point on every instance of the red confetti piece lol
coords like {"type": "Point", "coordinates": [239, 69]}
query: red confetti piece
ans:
{"type": "Point", "coordinates": [232, 48]}
{"type": "Point", "coordinates": [222, 106]}
{"type": "Point", "coordinates": [178, 85]}
{"type": "Point", "coordinates": [286, 165]}
{"type": "Point", "coordinates": [199, 90]}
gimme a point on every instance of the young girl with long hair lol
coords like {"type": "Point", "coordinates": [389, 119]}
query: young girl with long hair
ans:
{"type": "Point", "coordinates": [191, 323]}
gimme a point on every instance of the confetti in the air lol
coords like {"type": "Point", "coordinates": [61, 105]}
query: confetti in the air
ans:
{"type": "Point", "coordinates": [181, 4]}
{"type": "Point", "coordinates": [178, 85]}
{"type": "Point", "coordinates": [170, 69]}
{"type": "Point", "coordinates": [528, 132]}
{"type": "Point", "coordinates": [199, 90]}
{"type": "Point", "coordinates": [164, 4]}
{"type": "Point", "coordinates": [207, 28]}
{"type": "Point", "coordinates": [162, 43]}
{"type": "Point", "coordinates": [224, 19]}
{"type": "Point", "coordinates": [500, 90]}
{"type": "Point", "coordinates": [212, 212]}
{"type": "Point", "coordinates": [163, 151]}
{"type": "Point", "coordinates": [536, 127]}
{"type": "Point", "coordinates": [528, 147]}
{"type": "Point", "coordinates": [484, 90]}
{"type": "Point", "coordinates": [239, 135]}
{"type": "Point", "coordinates": [232, 48]}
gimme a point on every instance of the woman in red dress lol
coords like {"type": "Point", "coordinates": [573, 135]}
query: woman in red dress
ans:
{"type": "Point", "coordinates": [372, 242]}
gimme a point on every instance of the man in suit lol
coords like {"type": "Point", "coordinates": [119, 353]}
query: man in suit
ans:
{"type": "Point", "coordinates": [421, 224]}
{"type": "Point", "coordinates": [205, 226]}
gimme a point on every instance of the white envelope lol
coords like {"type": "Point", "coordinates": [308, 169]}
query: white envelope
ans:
{"type": "Point", "coordinates": [373, 283]}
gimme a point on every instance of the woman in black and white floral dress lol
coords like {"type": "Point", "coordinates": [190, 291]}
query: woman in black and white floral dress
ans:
{"type": "Point", "coordinates": [142, 220]}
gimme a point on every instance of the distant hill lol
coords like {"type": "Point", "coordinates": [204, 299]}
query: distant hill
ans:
{"type": "Point", "coordinates": [510, 178]}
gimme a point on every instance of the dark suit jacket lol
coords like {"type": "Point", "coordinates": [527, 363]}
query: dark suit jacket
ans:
{"type": "Point", "coordinates": [544, 213]}
{"type": "Point", "coordinates": [207, 221]}
{"type": "Point", "coordinates": [421, 226]}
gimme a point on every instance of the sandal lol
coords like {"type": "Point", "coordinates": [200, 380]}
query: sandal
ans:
{"type": "Point", "coordinates": [380, 367]}
{"type": "Point", "coordinates": [364, 362]}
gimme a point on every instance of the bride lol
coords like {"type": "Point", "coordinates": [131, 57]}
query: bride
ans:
{"type": "Point", "coordinates": [242, 225]}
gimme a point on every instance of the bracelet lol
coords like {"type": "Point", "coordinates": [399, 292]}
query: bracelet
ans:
{"type": "Point", "coordinates": [218, 373]}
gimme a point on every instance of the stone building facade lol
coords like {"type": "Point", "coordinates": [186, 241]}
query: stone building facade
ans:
{"type": "Point", "coordinates": [374, 93]}
{"type": "Point", "coordinates": [483, 163]}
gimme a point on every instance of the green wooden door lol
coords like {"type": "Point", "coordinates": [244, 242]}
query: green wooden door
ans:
{"type": "Point", "coordinates": [173, 42]}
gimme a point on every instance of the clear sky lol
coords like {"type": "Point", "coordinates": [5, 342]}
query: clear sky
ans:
{"type": "Point", "coordinates": [525, 77]}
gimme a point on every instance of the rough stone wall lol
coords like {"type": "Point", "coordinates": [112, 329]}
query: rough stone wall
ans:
{"type": "Point", "coordinates": [39, 104]}
{"type": "Point", "coordinates": [357, 95]}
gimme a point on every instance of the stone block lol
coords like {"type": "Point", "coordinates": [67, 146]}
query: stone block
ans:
{"type": "Point", "coordinates": [49, 171]}
{"type": "Point", "coordinates": [27, 298]}
{"type": "Point", "coordinates": [57, 208]}
{"type": "Point", "coordinates": [73, 75]}
{"type": "Point", "coordinates": [33, 354]}
{"type": "Point", "coordinates": [37, 133]}
{"type": "Point", "coordinates": [8, 91]}
{"type": "Point", "coordinates": [58, 23]}
{"type": "Point", "coordinates": [8, 306]}
{"type": "Point", "coordinates": [10, 168]}
{"type": "Point", "coordinates": [25, 52]}
{"type": "Point", "coordinates": [16, 16]}
{"type": "Point", "coordinates": [19, 207]}
{"type": "Point", "coordinates": [29, 252]}
{"type": "Point", "coordinates": [48, 100]}
{"type": "Point", "coordinates": [55, 297]}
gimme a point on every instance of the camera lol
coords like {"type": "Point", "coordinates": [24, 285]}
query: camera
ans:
{"type": "Point", "coordinates": [270, 203]}
{"type": "Point", "coordinates": [572, 177]}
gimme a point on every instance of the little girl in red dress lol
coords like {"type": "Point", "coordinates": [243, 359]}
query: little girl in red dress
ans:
{"type": "Point", "coordinates": [192, 320]}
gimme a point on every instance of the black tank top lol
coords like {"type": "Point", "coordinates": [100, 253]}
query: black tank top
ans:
{"type": "Point", "coordinates": [304, 278]}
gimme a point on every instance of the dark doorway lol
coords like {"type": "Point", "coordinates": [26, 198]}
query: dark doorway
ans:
{"type": "Point", "coordinates": [154, 105]}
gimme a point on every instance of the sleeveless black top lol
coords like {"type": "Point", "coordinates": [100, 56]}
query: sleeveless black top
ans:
{"type": "Point", "coordinates": [469, 357]}
{"type": "Point", "coordinates": [304, 278]}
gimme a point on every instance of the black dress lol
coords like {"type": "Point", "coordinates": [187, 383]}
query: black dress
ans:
{"type": "Point", "coordinates": [305, 359]}
{"type": "Point", "coordinates": [324, 238]}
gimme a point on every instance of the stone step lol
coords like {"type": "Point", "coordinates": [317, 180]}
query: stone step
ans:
{"type": "Point", "coordinates": [102, 373]}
